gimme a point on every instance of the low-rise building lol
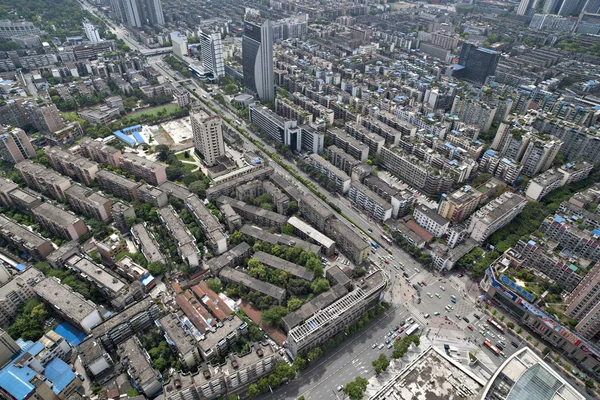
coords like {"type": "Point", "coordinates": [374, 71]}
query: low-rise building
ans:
{"type": "Point", "coordinates": [278, 239]}
{"type": "Point", "coordinates": [313, 306]}
{"type": "Point", "coordinates": [89, 203]}
{"type": "Point", "coordinates": [238, 277]}
{"type": "Point", "coordinates": [59, 257]}
{"type": "Point", "coordinates": [231, 258]}
{"type": "Point", "coordinates": [255, 214]}
{"type": "Point", "coordinates": [232, 219]}
{"type": "Point", "coordinates": [110, 247]}
{"type": "Point", "coordinates": [347, 143]}
{"type": "Point", "coordinates": [495, 215]}
{"type": "Point", "coordinates": [59, 222]}
{"type": "Point", "coordinates": [313, 211]}
{"type": "Point", "coordinates": [284, 265]}
{"type": "Point", "coordinates": [334, 174]}
{"type": "Point", "coordinates": [433, 222]}
{"type": "Point", "coordinates": [211, 226]}
{"type": "Point", "coordinates": [43, 180]}
{"type": "Point", "coordinates": [180, 340]}
{"type": "Point", "coordinates": [341, 159]}
{"type": "Point", "coordinates": [152, 195]}
{"type": "Point", "coordinates": [152, 172]}
{"type": "Point", "coordinates": [147, 244]}
{"type": "Point", "coordinates": [216, 343]}
{"type": "Point", "coordinates": [579, 242]}
{"type": "Point", "coordinates": [139, 368]}
{"type": "Point", "coordinates": [347, 240]}
{"type": "Point", "coordinates": [543, 184]}
{"type": "Point", "coordinates": [23, 240]}
{"type": "Point", "coordinates": [280, 200]}
{"type": "Point", "coordinates": [401, 200]}
{"type": "Point", "coordinates": [369, 201]}
{"type": "Point", "coordinates": [117, 185]}
{"type": "Point", "coordinates": [16, 292]}
{"type": "Point", "coordinates": [93, 356]}
{"type": "Point", "coordinates": [332, 319]}
{"type": "Point", "coordinates": [101, 116]}
{"type": "Point", "coordinates": [226, 188]}
{"type": "Point", "coordinates": [185, 241]}
{"type": "Point", "coordinates": [121, 213]}
{"type": "Point", "coordinates": [69, 304]}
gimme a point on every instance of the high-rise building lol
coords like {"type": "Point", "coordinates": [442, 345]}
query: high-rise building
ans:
{"type": "Point", "coordinates": [212, 53]}
{"type": "Point", "coordinates": [136, 13]}
{"type": "Point", "coordinates": [180, 44]}
{"type": "Point", "coordinates": [526, 7]}
{"type": "Point", "coordinates": [15, 146]}
{"type": "Point", "coordinates": [476, 63]}
{"type": "Point", "coordinates": [208, 135]}
{"type": "Point", "coordinates": [592, 6]}
{"type": "Point", "coordinates": [257, 56]}
{"type": "Point", "coordinates": [583, 304]}
{"type": "Point", "coordinates": [91, 31]}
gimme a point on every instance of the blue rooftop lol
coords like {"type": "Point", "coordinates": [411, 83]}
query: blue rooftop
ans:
{"type": "Point", "coordinates": [596, 232]}
{"type": "Point", "coordinates": [129, 141]}
{"type": "Point", "coordinates": [20, 267]}
{"type": "Point", "coordinates": [138, 137]}
{"type": "Point", "coordinates": [15, 381]}
{"type": "Point", "coordinates": [71, 334]}
{"type": "Point", "coordinates": [531, 243]}
{"type": "Point", "coordinates": [59, 373]}
{"type": "Point", "coordinates": [448, 145]}
{"type": "Point", "coordinates": [559, 219]}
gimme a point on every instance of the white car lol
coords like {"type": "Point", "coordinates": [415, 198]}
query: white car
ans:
{"type": "Point", "coordinates": [491, 334]}
{"type": "Point", "coordinates": [374, 346]}
{"type": "Point", "coordinates": [380, 346]}
{"type": "Point", "coordinates": [340, 388]}
{"type": "Point", "coordinates": [389, 346]}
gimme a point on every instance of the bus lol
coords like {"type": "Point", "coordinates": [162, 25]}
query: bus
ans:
{"type": "Point", "coordinates": [387, 239]}
{"type": "Point", "coordinates": [412, 329]}
{"type": "Point", "coordinates": [491, 347]}
{"type": "Point", "coordinates": [495, 324]}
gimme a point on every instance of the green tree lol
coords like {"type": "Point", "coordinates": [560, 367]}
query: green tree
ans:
{"type": "Point", "coordinates": [162, 152]}
{"type": "Point", "coordinates": [156, 268]}
{"type": "Point", "coordinates": [319, 286]}
{"type": "Point", "coordinates": [294, 303]}
{"type": "Point", "coordinates": [380, 364]}
{"type": "Point", "coordinates": [510, 325]}
{"type": "Point", "coordinates": [236, 238]}
{"type": "Point", "coordinates": [253, 390]}
{"type": "Point", "coordinates": [287, 229]}
{"type": "Point", "coordinates": [198, 188]}
{"type": "Point", "coordinates": [299, 363]}
{"type": "Point", "coordinates": [215, 285]}
{"type": "Point", "coordinates": [273, 316]}
{"type": "Point", "coordinates": [356, 389]}
{"type": "Point", "coordinates": [160, 364]}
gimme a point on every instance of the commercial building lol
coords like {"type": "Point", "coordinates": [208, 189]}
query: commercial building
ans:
{"type": "Point", "coordinates": [460, 204]}
{"type": "Point", "coordinates": [257, 56]}
{"type": "Point", "coordinates": [185, 241]}
{"type": "Point", "coordinates": [211, 226]}
{"type": "Point", "coordinates": [89, 203]}
{"type": "Point", "coordinates": [226, 188]}
{"type": "Point", "coordinates": [431, 365]}
{"type": "Point", "coordinates": [180, 340]}
{"type": "Point", "coordinates": [70, 305]}
{"type": "Point", "coordinates": [332, 319]}
{"type": "Point", "coordinates": [43, 180]}
{"type": "Point", "coordinates": [147, 244]}
{"type": "Point", "coordinates": [578, 242]}
{"type": "Point", "coordinates": [23, 240]}
{"type": "Point", "coordinates": [284, 265]}
{"type": "Point", "coordinates": [495, 215]}
{"type": "Point", "coordinates": [122, 325]}
{"type": "Point", "coordinates": [99, 152]}
{"type": "Point", "coordinates": [475, 63]}
{"type": "Point", "coordinates": [101, 116]}
{"type": "Point", "coordinates": [59, 222]}
{"type": "Point", "coordinates": [180, 44]}
{"type": "Point", "coordinates": [230, 258]}
{"type": "Point", "coordinates": [433, 222]}
{"type": "Point", "coordinates": [255, 214]}
{"type": "Point", "coordinates": [369, 201]}
{"type": "Point", "coordinates": [238, 277]}
{"type": "Point", "coordinates": [584, 307]}
{"type": "Point", "coordinates": [152, 195]}
{"type": "Point", "coordinates": [15, 145]}
{"type": "Point", "coordinates": [234, 376]}
{"type": "Point", "coordinates": [278, 239]}
{"type": "Point", "coordinates": [335, 175]}
{"type": "Point", "coordinates": [208, 135]}
{"type": "Point", "coordinates": [525, 374]}
{"type": "Point", "coordinates": [575, 348]}
{"type": "Point", "coordinates": [136, 361]}
{"type": "Point", "coordinates": [16, 292]}
{"type": "Point", "coordinates": [214, 344]}
{"type": "Point", "coordinates": [152, 172]}
{"type": "Point", "coordinates": [117, 185]}
{"type": "Point", "coordinates": [68, 164]}
{"type": "Point", "coordinates": [211, 48]}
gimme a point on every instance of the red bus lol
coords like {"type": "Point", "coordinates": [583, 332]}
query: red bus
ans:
{"type": "Point", "coordinates": [495, 324]}
{"type": "Point", "coordinates": [387, 239]}
{"type": "Point", "coordinates": [491, 347]}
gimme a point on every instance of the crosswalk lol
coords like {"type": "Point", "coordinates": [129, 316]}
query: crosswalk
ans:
{"type": "Point", "coordinates": [416, 314]}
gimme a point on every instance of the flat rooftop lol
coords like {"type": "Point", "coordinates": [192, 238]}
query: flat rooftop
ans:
{"type": "Point", "coordinates": [10, 228]}
{"type": "Point", "coordinates": [307, 310]}
{"type": "Point", "coordinates": [175, 190]}
{"type": "Point", "coordinates": [263, 287]}
{"type": "Point", "coordinates": [147, 242]}
{"type": "Point", "coordinates": [239, 205]}
{"type": "Point", "coordinates": [117, 179]}
{"type": "Point", "coordinates": [182, 338]}
{"type": "Point", "coordinates": [284, 265]}
{"type": "Point", "coordinates": [432, 376]}
{"type": "Point", "coordinates": [280, 239]}
{"type": "Point", "coordinates": [69, 302]}
{"type": "Point", "coordinates": [96, 273]}
{"type": "Point", "coordinates": [139, 368]}
{"type": "Point", "coordinates": [217, 263]}
{"type": "Point", "coordinates": [211, 339]}
{"type": "Point", "coordinates": [311, 232]}
{"type": "Point", "coordinates": [176, 226]}
{"type": "Point", "coordinates": [57, 215]}
{"type": "Point", "coordinates": [90, 196]}
{"type": "Point", "coordinates": [123, 317]}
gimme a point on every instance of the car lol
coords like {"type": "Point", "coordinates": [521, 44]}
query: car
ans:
{"type": "Point", "coordinates": [443, 288]}
{"type": "Point", "coordinates": [394, 335]}
{"type": "Point", "coordinates": [410, 320]}
{"type": "Point", "coordinates": [389, 346]}
{"type": "Point", "coordinates": [426, 315]}
{"type": "Point", "coordinates": [502, 338]}
{"type": "Point", "coordinates": [387, 341]}
{"type": "Point", "coordinates": [266, 336]}
{"type": "Point", "coordinates": [476, 316]}
{"type": "Point", "coordinates": [429, 294]}
{"type": "Point", "coordinates": [461, 275]}
{"type": "Point", "coordinates": [405, 274]}
{"type": "Point", "coordinates": [340, 388]}
{"type": "Point", "coordinates": [453, 300]}
{"type": "Point", "coordinates": [470, 327]}
{"type": "Point", "coordinates": [396, 267]}
{"type": "Point", "coordinates": [438, 295]}
{"type": "Point", "coordinates": [424, 283]}
{"type": "Point", "coordinates": [514, 344]}
{"type": "Point", "coordinates": [503, 354]}
{"type": "Point", "coordinates": [482, 333]}
{"type": "Point", "coordinates": [447, 347]}
{"type": "Point", "coordinates": [397, 327]}
{"type": "Point", "coordinates": [370, 230]}
{"type": "Point", "coordinates": [466, 320]}
{"type": "Point", "coordinates": [492, 335]}
{"type": "Point", "coordinates": [390, 333]}
{"type": "Point", "coordinates": [457, 316]}
{"type": "Point", "coordinates": [498, 345]}
{"type": "Point", "coordinates": [417, 269]}
{"type": "Point", "coordinates": [418, 300]}
{"type": "Point", "coordinates": [420, 284]}
{"type": "Point", "coordinates": [401, 330]}
{"type": "Point", "coordinates": [436, 313]}
{"type": "Point", "coordinates": [386, 261]}
{"type": "Point", "coordinates": [450, 307]}
{"type": "Point", "coordinates": [374, 346]}
{"type": "Point", "coordinates": [380, 346]}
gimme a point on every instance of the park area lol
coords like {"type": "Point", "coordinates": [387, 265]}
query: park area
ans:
{"type": "Point", "coordinates": [165, 109]}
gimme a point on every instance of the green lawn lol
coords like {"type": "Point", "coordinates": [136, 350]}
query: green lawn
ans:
{"type": "Point", "coordinates": [154, 111]}
{"type": "Point", "coordinates": [181, 156]}
{"type": "Point", "coordinates": [189, 167]}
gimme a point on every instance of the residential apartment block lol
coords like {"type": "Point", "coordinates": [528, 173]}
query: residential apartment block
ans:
{"type": "Point", "coordinates": [433, 222]}
{"type": "Point", "coordinates": [579, 242]}
{"type": "Point", "coordinates": [152, 172]}
{"type": "Point", "coordinates": [495, 215]}
{"type": "Point", "coordinates": [99, 152]}
{"type": "Point", "coordinates": [369, 201]}
{"type": "Point", "coordinates": [59, 222]}
{"type": "Point", "coordinates": [88, 202]}
{"type": "Point", "coordinates": [180, 339]}
{"type": "Point", "coordinates": [24, 240]}
{"type": "Point", "coordinates": [341, 159]}
{"type": "Point", "coordinates": [334, 174]}
{"type": "Point", "coordinates": [43, 180]}
{"type": "Point", "coordinates": [584, 305]}
{"type": "Point", "coordinates": [401, 200]}
{"type": "Point", "coordinates": [255, 214]}
{"type": "Point", "coordinates": [117, 185]}
{"type": "Point", "coordinates": [71, 165]}
{"type": "Point", "coordinates": [16, 292]}
{"type": "Point", "coordinates": [208, 135]}
{"type": "Point", "coordinates": [460, 204]}
{"type": "Point", "coordinates": [185, 241]}
{"type": "Point", "coordinates": [238, 277]}
{"type": "Point", "coordinates": [147, 244]}
{"type": "Point", "coordinates": [15, 145]}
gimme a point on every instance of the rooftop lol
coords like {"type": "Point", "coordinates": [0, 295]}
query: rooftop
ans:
{"type": "Point", "coordinates": [228, 326]}
{"type": "Point", "coordinates": [280, 239]}
{"type": "Point", "coordinates": [329, 166]}
{"type": "Point", "coordinates": [148, 242]}
{"type": "Point", "coordinates": [177, 334]}
{"type": "Point", "coordinates": [57, 215]}
{"type": "Point", "coordinates": [118, 179]}
{"type": "Point", "coordinates": [311, 232]}
{"type": "Point", "coordinates": [89, 196]}
{"type": "Point", "coordinates": [19, 233]}
{"type": "Point", "coordinates": [499, 207]}
{"type": "Point", "coordinates": [175, 225]}
{"type": "Point", "coordinates": [217, 263]}
{"type": "Point", "coordinates": [263, 287]}
{"type": "Point", "coordinates": [284, 265]}
{"type": "Point", "coordinates": [97, 273]}
{"type": "Point", "coordinates": [69, 302]}
{"type": "Point", "coordinates": [307, 310]}
{"type": "Point", "coordinates": [431, 214]}
{"type": "Point", "coordinates": [123, 316]}
{"type": "Point", "coordinates": [138, 366]}
{"type": "Point", "coordinates": [175, 190]}
{"type": "Point", "coordinates": [257, 211]}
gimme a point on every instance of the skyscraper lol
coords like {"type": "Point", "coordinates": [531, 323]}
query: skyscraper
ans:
{"type": "Point", "coordinates": [212, 53]}
{"type": "Point", "coordinates": [476, 63]}
{"type": "Point", "coordinates": [257, 56]}
{"type": "Point", "coordinates": [91, 31]}
{"type": "Point", "coordinates": [15, 145]}
{"type": "Point", "coordinates": [208, 135]}
{"type": "Point", "coordinates": [136, 13]}
{"type": "Point", "coordinates": [527, 7]}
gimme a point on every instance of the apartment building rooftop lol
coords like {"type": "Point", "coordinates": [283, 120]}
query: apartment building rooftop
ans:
{"type": "Point", "coordinates": [90, 196]}
{"type": "Point", "coordinates": [123, 316]}
{"type": "Point", "coordinates": [29, 167]}
{"type": "Point", "coordinates": [180, 336]}
{"type": "Point", "coordinates": [96, 273]}
{"type": "Point", "coordinates": [463, 195]}
{"type": "Point", "coordinates": [118, 179]}
{"type": "Point", "coordinates": [18, 233]}
{"type": "Point", "coordinates": [148, 243]}
{"type": "Point", "coordinates": [311, 232]}
{"type": "Point", "coordinates": [172, 189]}
{"type": "Point", "coordinates": [204, 215]}
{"type": "Point", "coordinates": [69, 302]}
{"type": "Point", "coordinates": [229, 186]}
{"type": "Point", "coordinates": [278, 239]}
{"type": "Point", "coordinates": [500, 206]}
{"type": "Point", "coordinates": [312, 307]}
{"type": "Point", "coordinates": [139, 367]}
{"type": "Point", "coordinates": [257, 212]}
{"type": "Point", "coordinates": [218, 263]}
{"type": "Point", "coordinates": [374, 197]}
{"type": "Point", "coordinates": [57, 215]}
{"type": "Point", "coordinates": [330, 167]}
{"type": "Point", "coordinates": [284, 265]}
{"type": "Point", "coordinates": [311, 202]}
{"type": "Point", "coordinates": [176, 226]}
{"type": "Point", "coordinates": [211, 339]}
{"type": "Point", "coordinates": [265, 288]}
